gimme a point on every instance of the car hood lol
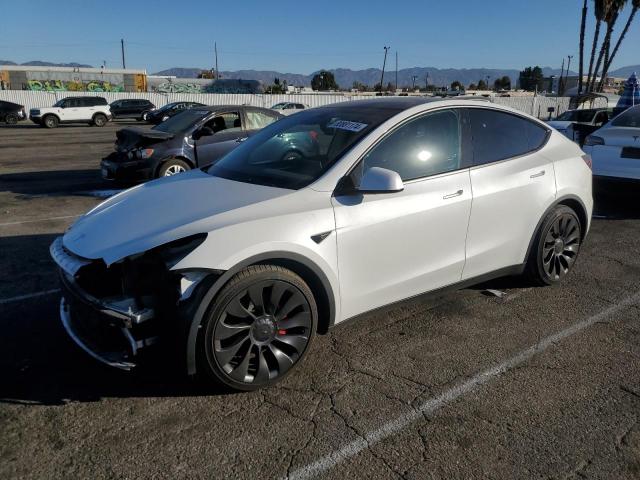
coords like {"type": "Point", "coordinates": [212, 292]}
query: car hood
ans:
{"type": "Point", "coordinates": [159, 212]}
{"type": "Point", "coordinates": [559, 124]}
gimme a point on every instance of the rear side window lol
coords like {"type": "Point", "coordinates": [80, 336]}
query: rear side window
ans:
{"type": "Point", "coordinates": [629, 118]}
{"type": "Point", "coordinates": [498, 135]}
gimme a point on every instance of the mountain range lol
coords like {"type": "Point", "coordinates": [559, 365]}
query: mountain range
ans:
{"type": "Point", "coordinates": [345, 77]}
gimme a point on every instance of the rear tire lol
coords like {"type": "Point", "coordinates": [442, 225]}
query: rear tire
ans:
{"type": "Point", "coordinates": [556, 246]}
{"type": "Point", "coordinates": [50, 121]}
{"type": "Point", "coordinates": [99, 120]}
{"type": "Point", "coordinates": [257, 329]}
{"type": "Point", "coordinates": [173, 166]}
{"type": "Point", "coordinates": [11, 119]}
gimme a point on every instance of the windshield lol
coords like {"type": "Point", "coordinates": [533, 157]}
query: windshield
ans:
{"type": "Point", "coordinates": [628, 118]}
{"type": "Point", "coordinates": [295, 151]}
{"type": "Point", "coordinates": [577, 116]}
{"type": "Point", "coordinates": [182, 122]}
{"type": "Point", "coordinates": [59, 103]}
{"type": "Point", "coordinates": [278, 106]}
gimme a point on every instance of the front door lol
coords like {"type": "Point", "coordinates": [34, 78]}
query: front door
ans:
{"type": "Point", "coordinates": [392, 246]}
{"type": "Point", "coordinates": [228, 133]}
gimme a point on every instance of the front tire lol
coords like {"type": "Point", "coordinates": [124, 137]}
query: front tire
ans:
{"type": "Point", "coordinates": [99, 120]}
{"type": "Point", "coordinates": [11, 119]}
{"type": "Point", "coordinates": [257, 329]}
{"type": "Point", "coordinates": [50, 121]}
{"type": "Point", "coordinates": [555, 247]}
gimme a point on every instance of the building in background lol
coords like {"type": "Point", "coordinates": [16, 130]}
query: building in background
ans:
{"type": "Point", "coordinates": [570, 84]}
{"type": "Point", "coordinates": [72, 79]}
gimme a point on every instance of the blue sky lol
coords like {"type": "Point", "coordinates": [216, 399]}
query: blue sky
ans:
{"type": "Point", "coordinates": [300, 36]}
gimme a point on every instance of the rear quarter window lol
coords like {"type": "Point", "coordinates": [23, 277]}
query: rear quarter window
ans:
{"type": "Point", "coordinates": [629, 118]}
{"type": "Point", "coordinates": [500, 135]}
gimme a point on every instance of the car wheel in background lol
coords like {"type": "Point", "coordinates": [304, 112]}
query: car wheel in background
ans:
{"type": "Point", "coordinates": [555, 247]}
{"type": "Point", "coordinates": [11, 119]}
{"type": "Point", "coordinates": [50, 121]}
{"type": "Point", "coordinates": [258, 328]}
{"type": "Point", "coordinates": [173, 167]}
{"type": "Point", "coordinates": [99, 120]}
{"type": "Point", "coordinates": [143, 117]}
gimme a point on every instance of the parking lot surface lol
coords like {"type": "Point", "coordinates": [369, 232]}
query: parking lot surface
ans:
{"type": "Point", "coordinates": [532, 383]}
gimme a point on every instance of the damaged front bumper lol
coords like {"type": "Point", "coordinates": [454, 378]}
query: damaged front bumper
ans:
{"type": "Point", "coordinates": [112, 330]}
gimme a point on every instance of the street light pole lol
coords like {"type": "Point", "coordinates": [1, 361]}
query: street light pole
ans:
{"type": "Point", "coordinates": [384, 63]}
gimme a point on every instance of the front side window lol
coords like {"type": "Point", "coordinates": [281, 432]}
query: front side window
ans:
{"type": "Point", "coordinates": [182, 122]}
{"type": "Point", "coordinates": [258, 120]}
{"type": "Point", "coordinates": [498, 135]}
{"type": "Point", "coordinates": [428, 145]}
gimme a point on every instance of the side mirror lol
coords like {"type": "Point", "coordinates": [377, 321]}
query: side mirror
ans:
{"type": "Point", "coordinates": [380, 180]}
{"type": "Point", "coordinates": [202, 132]}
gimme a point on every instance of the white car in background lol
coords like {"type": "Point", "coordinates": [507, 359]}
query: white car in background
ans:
{"type": "Point", "coordinates": [90, 110]}
{"type": "Point", "coordinates": [615, 148]}
{"type": "Point", "coordinates": [596, 117]}
{"type": "Point", "coordinates": [287, 108]}
{"type": "Point", "coordinates": [236, 267]}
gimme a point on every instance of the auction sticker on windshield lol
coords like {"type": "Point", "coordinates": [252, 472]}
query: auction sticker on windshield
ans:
{"type": "Point", "coordinates": [347, 125]}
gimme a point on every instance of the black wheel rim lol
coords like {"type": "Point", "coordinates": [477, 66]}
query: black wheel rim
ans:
{"type": "Point", "coordinates": [561, 246]}
{"type": "Point", "coordinates": [262, 332]}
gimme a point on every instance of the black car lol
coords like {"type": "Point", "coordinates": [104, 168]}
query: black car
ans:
{"type": "Point", "coordinates": [131, 108]}
{"type": "Point", "coordinates": [169, 110]}
{"type": "Point", "coordinates": [194, 138]}
{"type": "Point", "coordinates": [11, 113]}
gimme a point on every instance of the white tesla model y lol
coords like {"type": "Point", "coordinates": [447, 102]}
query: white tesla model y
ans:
{"type": "Point", "coordinates": [317, 218]}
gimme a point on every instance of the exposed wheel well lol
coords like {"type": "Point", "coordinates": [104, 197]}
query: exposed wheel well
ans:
{"type": "Point", "coordinates": [315, 284]}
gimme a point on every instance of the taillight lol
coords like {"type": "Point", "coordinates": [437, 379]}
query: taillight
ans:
{"type": "Point", "coordinates": [588, 161]}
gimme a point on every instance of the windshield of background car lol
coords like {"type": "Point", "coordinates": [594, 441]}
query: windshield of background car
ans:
{"type": "Point", "coordinates": [278, 106]}
{"type": "Point", "coordinates": [295, 151]}
{"type": "Point", "coordinates": [182, 122]}
{"type": "Point", "coordinates": [59, 103]}
{"type": "Point", "coordinates": [577, 116]}
{"type": "Point", "coordinates": [628, 118]}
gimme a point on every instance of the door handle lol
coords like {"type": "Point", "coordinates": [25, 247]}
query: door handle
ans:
{"type": "Point", "coordinates": [241, 139]}
{"type": "Point", "coordinates": [452, 195]}
{"type": "Point", "coordinates": [539, 174]}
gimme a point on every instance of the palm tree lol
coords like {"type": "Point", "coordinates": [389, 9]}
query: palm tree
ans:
{"type": "Point", "coordinates": [599, 9]}
{"type": "Point", "coordinates": [614, 8]}
{"type": "Point", "coordinates": [582, 27]}
{"type": "Point", "coordinates": [635, 6]}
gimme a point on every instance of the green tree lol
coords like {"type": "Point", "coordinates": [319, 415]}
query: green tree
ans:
{"type": "Point", "coordinates": [456, 85]}
{"type": "Point", "coordinates": [599, 10]}
{"type": "Point", "coordinates": [635, 6]}
{"type": "Point", "coordinates": [323, 81]}
{"type": "Point", "coordinates": [583, 24]}
{"type": "Point", "coordinates": [503, 83]}
{"type": "Point", "coordinates": [359, 86]}
{"type": "Point", "coordinates": [473, 86]}
{"type": "Point", "coordinates": [277, 87]}
{"type": "Point", "coordinates": [613, 9]}
{"type": "Point", "coordinates": [482, 85]}
{"type": "Point", "coordinates": [531, 78]}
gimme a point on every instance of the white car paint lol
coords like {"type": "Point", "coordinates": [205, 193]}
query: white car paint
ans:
{"type": "Point", "coordinates": [382, 249]}
{"type": "Point", "coordinates": [607, 158]}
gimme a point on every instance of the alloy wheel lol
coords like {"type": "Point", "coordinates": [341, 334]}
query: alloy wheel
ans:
{"type": "Point", "coordinates": [561, 246]}
{"type": "Point", "coordinates": [173, 170]}
{"type": "Point", "coordinates": [262, 332]}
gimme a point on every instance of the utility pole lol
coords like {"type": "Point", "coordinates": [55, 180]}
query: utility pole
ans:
{"type": "Point", "coordinates": [560, 81]}
{"type": "Point", "coordinates": [396, 71]}
{"type": "Point", "coordinates": [122, 48]}
{"type": "Point", "coordinates": [566, 77]}
{"type": "Point", "coordinates": [413, 85]}
{"type": "Point", "coordinates": [384, 63]}
{"type": "Point", "coordinates": [215, 49]}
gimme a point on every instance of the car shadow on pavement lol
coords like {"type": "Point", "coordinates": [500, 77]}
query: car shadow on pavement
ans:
{"type": "Point", "coordinates": [40, 364]}
{"type": "Point", "coordinates": [54, 182]}
{"type": "Point", "coordinates": [616, 200]}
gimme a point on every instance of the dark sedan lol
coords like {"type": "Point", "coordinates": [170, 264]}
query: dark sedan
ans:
{"type": "Point", "coordinates": [131, 108]}
{"type": "Point", "coordinates": [194, 138]}
{"type": "Point", "coordinates": [11, 113]}
{"type": "Point", "coordinates": [161, 114]}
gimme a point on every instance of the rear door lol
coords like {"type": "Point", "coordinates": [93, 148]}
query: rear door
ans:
{"type": "Point", "coordinates": [513, 185]}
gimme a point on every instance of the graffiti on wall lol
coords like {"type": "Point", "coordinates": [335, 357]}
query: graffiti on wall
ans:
{"type": "Point", "coordinates": [171, 87]}
{"type": "Point", "coordinates": [73, 86]}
